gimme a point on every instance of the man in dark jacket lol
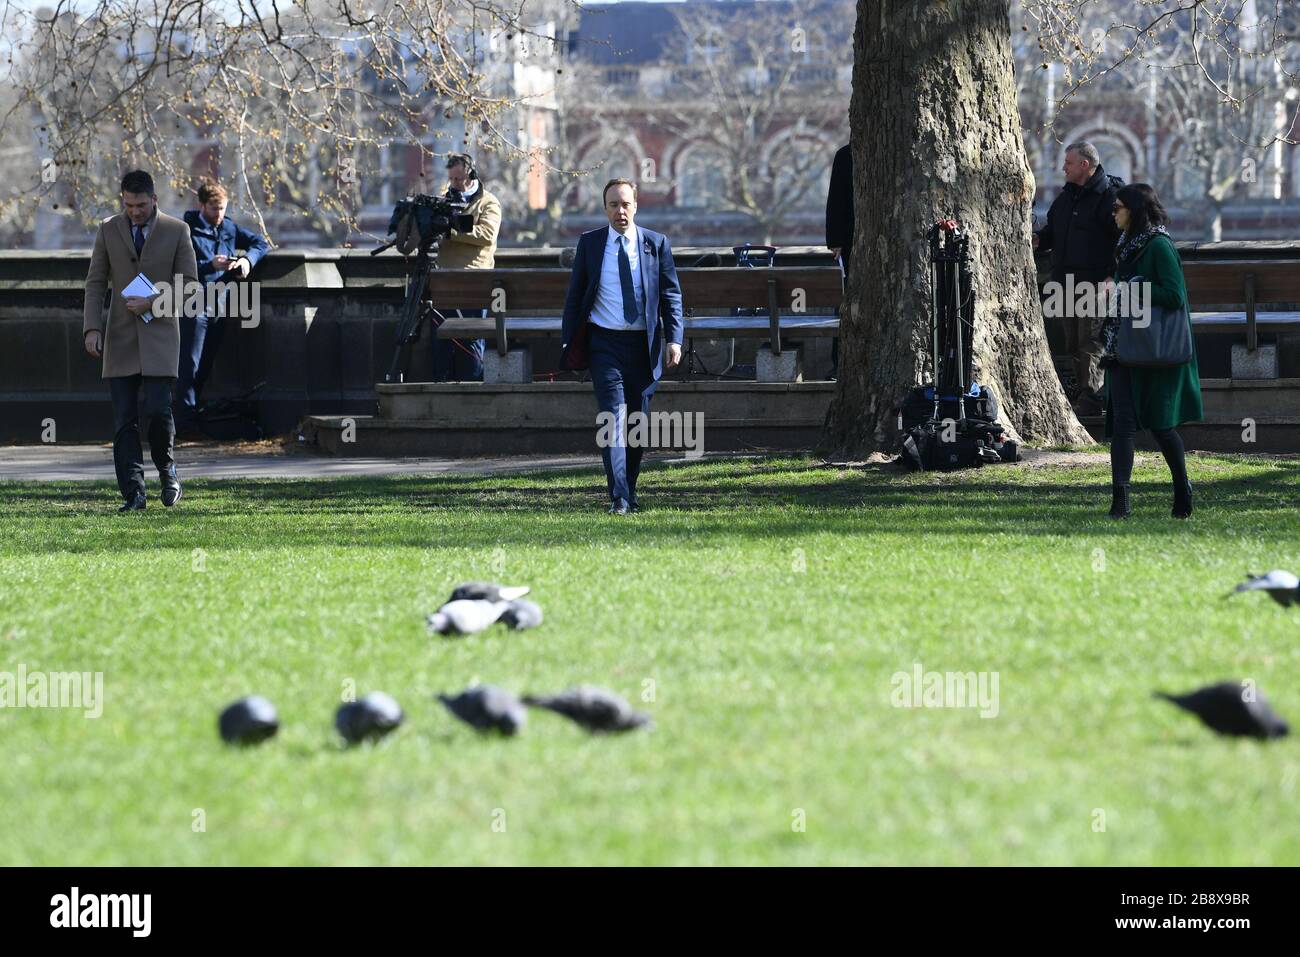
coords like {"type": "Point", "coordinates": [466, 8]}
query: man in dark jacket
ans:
{"type": "Point", "coordinates": [1081, 236]}
{"type": "Point", "coordinates": [839, 224]}
{"type": "Point", "coordinates": [623, 320]}
{"type": "Point", "coordinates": [217, 240]}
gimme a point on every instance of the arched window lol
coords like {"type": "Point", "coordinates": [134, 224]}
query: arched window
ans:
{"type": "Point", "coordinates": [1273, 183]}
{"type": "Point", "coordinates": [606, 161]}
{"type": "Point", "coordinates": [379, 171]}
{"type": "Point", "coordinates": [803, 160]}
{"type": "Point", "coordinates": [701, 177]}
{"type": "Point", "coordinates": [1121, 151]}
{"type": "Point", "coordinates": [1184, 174]}
{"type": "Point", "coordinates": [1116, 156]}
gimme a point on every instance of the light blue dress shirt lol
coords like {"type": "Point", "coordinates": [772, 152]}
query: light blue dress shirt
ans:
{"type": "Point", "coordinates": [607, 311]}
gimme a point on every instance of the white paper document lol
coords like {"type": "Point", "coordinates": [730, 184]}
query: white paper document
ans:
{"type": "Point", "coordinates": [140, 288]}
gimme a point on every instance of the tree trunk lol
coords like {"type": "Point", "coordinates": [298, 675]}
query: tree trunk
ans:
{"type": "Point", "coordinates": [936, 134]}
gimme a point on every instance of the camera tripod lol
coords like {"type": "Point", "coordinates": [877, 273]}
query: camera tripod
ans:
{"type": "Point", "coordinates": [748, 256]}
{"type": "Point", "coordinates": [952, 313]}
{"type": "Point", "coordinates": [414, 309]}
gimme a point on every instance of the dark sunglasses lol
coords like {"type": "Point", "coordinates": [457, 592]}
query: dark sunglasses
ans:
{"type": "Point", "coordinates": [1118, 206]}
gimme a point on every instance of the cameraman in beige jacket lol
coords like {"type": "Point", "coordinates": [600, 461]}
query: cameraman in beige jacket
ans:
{"type": "Point", "coordinates": [460, 360]}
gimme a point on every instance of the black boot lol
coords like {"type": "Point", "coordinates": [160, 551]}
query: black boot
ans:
{"type": "Point", "coordinates": [1119, 507]}
{"type": "Point", "coordinates": [1182, 500]}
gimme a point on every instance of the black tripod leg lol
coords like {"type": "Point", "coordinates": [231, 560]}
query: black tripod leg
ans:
{"type": "Point", "coordinates": [936, 307]}
{"type": "Point", "coordinates": [408, 330]}
{"type": "Point", "coordinates": [693, 359]}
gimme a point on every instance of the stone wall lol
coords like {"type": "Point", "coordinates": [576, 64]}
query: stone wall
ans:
{"type": "Point", "coordinates": [325, 336]}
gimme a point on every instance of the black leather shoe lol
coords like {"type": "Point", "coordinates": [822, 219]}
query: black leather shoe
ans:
{"type": "Point", "coordinates": [134, 504]}
{"type": "Point", "coordinates": [619, 507]}
{"type": "Point", "coordinates": [171, 493]}
{"type": "Point", "coordinates": [634, 506]}
{"type": "Point", "coordinates": [1183, 503]}
{"type": "Point", "coordinates": [1119, 506]}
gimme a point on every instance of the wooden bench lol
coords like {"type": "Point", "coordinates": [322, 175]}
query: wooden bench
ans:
{"type": "Point", "coordinates": [1216, 283]}
{"type": "Point", "coordinates": [1242, 296]}
{"type": "Point", "coordinates": [793, 299]}
{"type": "Point", "coordinates": [705, 291]}
{"type": "Point", "coordinates": [800, 300]}
{"type": "Point", "coordinates": [742, 327]}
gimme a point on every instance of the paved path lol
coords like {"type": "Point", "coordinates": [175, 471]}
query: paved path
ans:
{"type": "Point", "coordinates": [62, 463]}
{"type": "Point", "coordinates": [50, 463]}
{"type": "Point", "coordinates": [94, 462]}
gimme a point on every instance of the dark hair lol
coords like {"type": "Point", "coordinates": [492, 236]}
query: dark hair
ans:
{"type": "Point", "coordinates": [137, 181]}
{"type": "Point", "coordinates": [465, 160]}
{"type": "Point", "coordinates": [1144, 208]}
{"type": "Point", "coordinates": [604, 193]}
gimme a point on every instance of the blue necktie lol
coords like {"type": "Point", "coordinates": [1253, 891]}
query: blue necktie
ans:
{"type": "Point", "coordinates": [625, 279]}
{"type": "Point", "coordinates": [139, 239]}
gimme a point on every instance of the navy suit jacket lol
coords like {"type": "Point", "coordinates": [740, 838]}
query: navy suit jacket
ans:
{"type": "Point", "coordinates": [663, 297]}
{"type": "Point", "coordinates": [222, 240]}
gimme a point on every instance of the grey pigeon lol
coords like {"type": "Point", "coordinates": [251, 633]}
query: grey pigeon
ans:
{"type": "Point", "coordinates": [249, 720]}
{"type": "Point", "coordinates": [1282, 587]}
{"type": "Point", "coordinates": [1224, 708]}
{"type": "Point", "coordinates": [488, 708]}
{"type": "Point", "coordinates": [596, 709]}
{"type": "Point", "coordinates": [522, 613]}
{"type": "Point", "coordinates": [372, 717]}
{"type": "Point", "coordinates": [465, 616]}
{"type": "Point", "coordinates": [488, 591]}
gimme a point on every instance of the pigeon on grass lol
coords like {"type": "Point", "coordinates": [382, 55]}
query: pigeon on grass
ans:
{"type": "Point", "coordinates": [249, 720]}
{"type": "Point", "coordinates": [1282, 587]}
{"type": "Point", "coordinates": [522, 613]}
{"type": "Point", "coordinates": [488, 591]}
{"type": "Point", "coordinates": [370, 718]}
{"type": "Point", "coordinates": [466, 616]}
{"type": "Point", "coordinates": [1232, 708]}
{"type": "Point", "coordinates": [488, 708]}
{"type": "Point", "coordinates": [596, 709]}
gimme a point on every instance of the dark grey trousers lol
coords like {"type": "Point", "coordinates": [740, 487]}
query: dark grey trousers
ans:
{"type": "Point", "coordinates": [130, 394]}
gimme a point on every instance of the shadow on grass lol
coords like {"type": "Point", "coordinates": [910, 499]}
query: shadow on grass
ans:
{"type": "Point", "coordinates": [684, 503]}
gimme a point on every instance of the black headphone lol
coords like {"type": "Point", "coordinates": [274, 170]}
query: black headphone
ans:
{"type": "Point", "coordinates": [457, 159]}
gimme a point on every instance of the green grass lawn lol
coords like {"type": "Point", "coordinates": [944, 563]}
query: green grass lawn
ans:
{"type": "Point", "coordinates": [765, 604]}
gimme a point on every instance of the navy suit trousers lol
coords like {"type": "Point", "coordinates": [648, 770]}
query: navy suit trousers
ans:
{"type": "Point", "coordinates": [622, 376]}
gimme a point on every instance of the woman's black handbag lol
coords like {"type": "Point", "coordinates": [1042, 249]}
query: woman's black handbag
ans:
{"type": "Point", "coordinates": [1163, 342]}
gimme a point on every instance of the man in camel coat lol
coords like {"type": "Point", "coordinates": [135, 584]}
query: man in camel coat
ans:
{"type": "Point", "coordinates": [140, 357]}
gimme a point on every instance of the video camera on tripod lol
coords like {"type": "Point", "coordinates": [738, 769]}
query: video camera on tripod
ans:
{"type": "Point", "coordinates": [421, 221]}
{"type": "Point", "coordinates": [952, 421]}
{"type": "Point", "coordinates": [418, 224]}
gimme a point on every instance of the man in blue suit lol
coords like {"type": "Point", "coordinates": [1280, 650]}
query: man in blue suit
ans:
{"type": "Point", "coordinates": [623, 307]}
{"type": "Point", "coordinates": [216, 239]}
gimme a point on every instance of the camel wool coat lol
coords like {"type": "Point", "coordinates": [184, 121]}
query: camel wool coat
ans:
{"type": "Point", "coordinates": [131, 345]}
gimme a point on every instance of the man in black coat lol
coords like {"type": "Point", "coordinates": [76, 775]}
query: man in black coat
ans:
{"type": "Point", "coordinates": [839, 224]}
{"type": "Point", "coordinates": [1081, 236]}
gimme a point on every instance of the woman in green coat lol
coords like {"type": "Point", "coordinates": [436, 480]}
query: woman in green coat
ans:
{"type": "Point", "coordinates": [1148, 398]}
